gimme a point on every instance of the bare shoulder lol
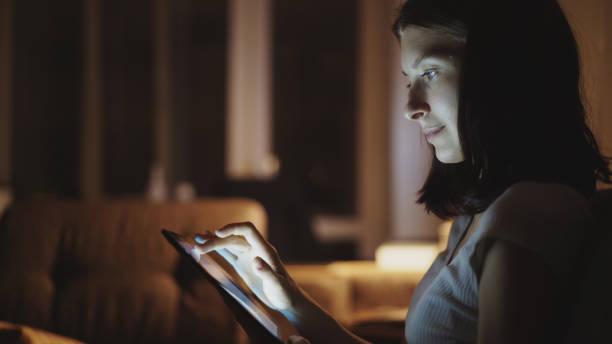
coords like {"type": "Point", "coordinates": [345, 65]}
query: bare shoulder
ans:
{"type": "Point", "coordinates": [526, 202]}
{"type": "Point", "coordinates": [522, 267]}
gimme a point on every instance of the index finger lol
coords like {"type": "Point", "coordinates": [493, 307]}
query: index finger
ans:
{"type": "Point", "coordinates": [252, 236]}
{"type": "Point", "coordinates": [246, 229]}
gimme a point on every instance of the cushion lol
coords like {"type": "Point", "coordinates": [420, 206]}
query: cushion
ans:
{"type": "Point", "coordinates": [19, 334]}
{"type": "Point", "coordinates": [102, 272]}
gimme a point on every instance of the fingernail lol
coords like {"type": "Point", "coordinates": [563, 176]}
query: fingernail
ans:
{"type": "Point", "coordinates": [199, 239]}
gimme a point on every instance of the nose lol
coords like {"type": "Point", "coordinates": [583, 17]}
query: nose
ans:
{"type": "Point", "coordinates": [416, 107]}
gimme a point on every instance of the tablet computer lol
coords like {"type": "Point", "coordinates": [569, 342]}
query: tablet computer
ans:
{"type": "Point", "coordinates": [270, 325]}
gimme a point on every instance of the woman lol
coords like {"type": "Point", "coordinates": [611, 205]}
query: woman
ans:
{"type": "Point", "coordinates": [495, 88]}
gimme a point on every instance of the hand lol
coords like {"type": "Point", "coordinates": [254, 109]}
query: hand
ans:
{"type": "Point", "coordinates": [255, 260]}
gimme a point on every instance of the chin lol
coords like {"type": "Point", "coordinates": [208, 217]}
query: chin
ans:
{"type": "Point", "coordinates": [449, 157]}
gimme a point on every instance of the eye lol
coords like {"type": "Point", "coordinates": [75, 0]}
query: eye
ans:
{"type": "Point", "coordinates": [430, 75]}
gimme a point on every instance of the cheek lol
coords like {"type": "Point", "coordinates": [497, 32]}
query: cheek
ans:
{"type": "Point", "coordinates": [445, 103]}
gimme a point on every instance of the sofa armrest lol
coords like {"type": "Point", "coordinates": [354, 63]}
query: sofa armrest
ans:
{"type": "Point", "coordinates": [358, 291]}
{"type": "Point", "coordinates": [18, 334]}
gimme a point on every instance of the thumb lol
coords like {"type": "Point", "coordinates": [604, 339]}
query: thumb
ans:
{"type": "Point", "coordinates": [264, 270]}
{"type": "Point", "coordinates": [276, 291]}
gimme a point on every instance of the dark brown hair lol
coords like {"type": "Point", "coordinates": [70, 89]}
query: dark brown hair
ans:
{"type": "Point", "coordinates": [521, 115]}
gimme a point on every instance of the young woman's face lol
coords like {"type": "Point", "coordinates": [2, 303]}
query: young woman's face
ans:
{"type": "Point", "coordinates": [431, 62]}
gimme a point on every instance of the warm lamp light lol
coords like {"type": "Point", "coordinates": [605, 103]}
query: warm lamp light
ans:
{"type": "Point", "coordinates": [406, 255]}
{"type": "Point", "coordinates": [443, 233]}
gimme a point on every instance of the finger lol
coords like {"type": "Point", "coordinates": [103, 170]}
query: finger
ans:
{"type": "Point", "coordinates": [201, 238]}
{"type": "Point", "coordinates": [235, 243]}
{"type": "Point", "coordinates": [245, 229]}
{"type": "Point", "coordinates": [253, 237]}
{"type": "Point", "coordinates": [274, 285]}
{"type": "Point", "coordinates": [264, 270]}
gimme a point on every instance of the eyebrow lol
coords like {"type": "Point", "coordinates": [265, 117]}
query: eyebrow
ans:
{"type": "Point", "coordinates": [425, 57]}
{"type": "Point", "coordinates": [441, 52]}
{"type": "Point", "coordinates": [429, 56]}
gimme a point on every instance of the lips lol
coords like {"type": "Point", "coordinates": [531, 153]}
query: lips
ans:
{"type": "Point", "coordinates": [431, 132]}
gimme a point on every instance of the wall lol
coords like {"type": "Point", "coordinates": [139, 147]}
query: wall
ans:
{"type": "Point", "coordinates": [593, 30]}
{"type": "Point", "coordinates": [108, 103]}
{"type": "Point", "coordinates": [409, 162]}
{"type": "Point", "coordinates": [6, 26]}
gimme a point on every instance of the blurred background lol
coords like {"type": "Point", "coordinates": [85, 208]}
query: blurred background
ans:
{"type": "Point", "coordinates": [295, 103]}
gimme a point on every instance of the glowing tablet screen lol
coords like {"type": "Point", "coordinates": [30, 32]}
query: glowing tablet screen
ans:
{"type": "Point", "coordinates": [226, 276]}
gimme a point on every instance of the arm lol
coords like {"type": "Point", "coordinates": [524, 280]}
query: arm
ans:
{"type": "Point", "coordinates": [517, 303]}
{"type": "Point", "coordinates": [316, 324]}
{"type": "Point", "coordinates": [534, 238]}
{"type": "Point", "coordinates": [261, 268]}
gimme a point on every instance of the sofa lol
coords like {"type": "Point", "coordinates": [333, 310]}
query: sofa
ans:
{"type": "Point", "coordinates": [101, 272]}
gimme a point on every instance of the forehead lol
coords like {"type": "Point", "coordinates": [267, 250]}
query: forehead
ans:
{"type": "Point", "coordinates": [417, 42]}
